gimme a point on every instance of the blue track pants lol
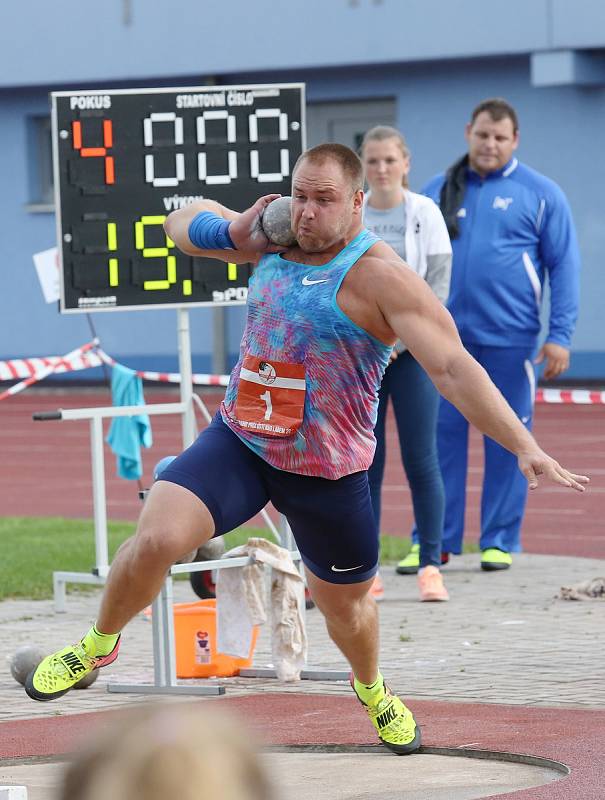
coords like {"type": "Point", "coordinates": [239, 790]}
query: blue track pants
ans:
{"type": "Point", "coordinates": [504, 487]}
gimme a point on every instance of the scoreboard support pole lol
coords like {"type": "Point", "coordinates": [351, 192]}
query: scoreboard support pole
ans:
{"type": "Point", "coordinates": [185, 368]}
{"type": "Point", "coordinates": [219, 341]}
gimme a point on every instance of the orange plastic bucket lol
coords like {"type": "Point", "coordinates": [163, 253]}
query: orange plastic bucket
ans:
{"type": "Point", "coordinates": [195, 643]}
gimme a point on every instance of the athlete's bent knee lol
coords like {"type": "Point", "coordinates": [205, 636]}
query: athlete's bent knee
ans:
{"type": "Point", "coordinates": [347, 614]}
{"type": "Point", "coordinates": [154, 545]}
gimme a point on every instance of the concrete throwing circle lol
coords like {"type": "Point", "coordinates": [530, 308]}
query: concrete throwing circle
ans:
{"type": "Point", "coordinates": [356, 773]}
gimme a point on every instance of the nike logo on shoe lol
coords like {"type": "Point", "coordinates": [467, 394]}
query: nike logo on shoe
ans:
{"type": "Point", "coordinates": [306, 281]}
{"type": "Point", "coordinates": [386, 717]}
{"type": "Point", "coordinates": [345, 569]}
{"type": "Point", "coordinates": [73, 664]}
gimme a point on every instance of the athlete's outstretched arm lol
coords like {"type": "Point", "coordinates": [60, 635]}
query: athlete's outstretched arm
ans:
{"type": "Point", "coordinates": [416, 316]}
{"type": "Point", "coordinates": [244, 231]}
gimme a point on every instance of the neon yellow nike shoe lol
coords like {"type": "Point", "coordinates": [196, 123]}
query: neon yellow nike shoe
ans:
{"type": "Point", "coordinates": [493, 559]}
{"type": "Point", "coordinates": [394, 723]}
{"type": "Point", "coordinates": [59, 672]}
{"type": "Point", "coordinates": [411, 563]}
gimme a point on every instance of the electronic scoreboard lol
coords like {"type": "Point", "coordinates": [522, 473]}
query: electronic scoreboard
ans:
{"type": "Point", "coordinates": [125, 159]}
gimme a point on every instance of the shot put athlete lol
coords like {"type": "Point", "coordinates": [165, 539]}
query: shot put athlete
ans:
{"type": "Point", "coordinates": [296, 423]}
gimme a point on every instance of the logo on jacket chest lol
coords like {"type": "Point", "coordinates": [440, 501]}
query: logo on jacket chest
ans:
{"type": "Point", "coordinates": [502, 203]}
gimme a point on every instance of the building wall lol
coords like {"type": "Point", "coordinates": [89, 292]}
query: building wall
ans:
{"type": "Point", "coordinates": [561, 127]}
{"type": "Point", "coordinates": [130, 39]}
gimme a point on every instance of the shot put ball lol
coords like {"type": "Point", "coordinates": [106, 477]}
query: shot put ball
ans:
{"type": "Point", "coordinates": [276, 222]}
{"type": "Point", "coordinates": [26, 658]}
{"type": "Point", "coordinates": [87, 680]}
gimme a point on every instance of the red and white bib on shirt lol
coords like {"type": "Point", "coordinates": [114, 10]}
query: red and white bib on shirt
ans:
{"type": "Point", "coordinates": [270, 396]}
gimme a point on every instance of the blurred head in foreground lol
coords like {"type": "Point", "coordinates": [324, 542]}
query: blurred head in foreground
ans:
{"type": "Point", "coordinates": [168, 751]}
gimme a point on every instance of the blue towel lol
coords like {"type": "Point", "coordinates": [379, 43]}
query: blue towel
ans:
{"type": "Point", "coordinates": [127, 434]}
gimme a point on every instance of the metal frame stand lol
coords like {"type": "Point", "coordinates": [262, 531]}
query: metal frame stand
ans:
{"type": "Point", "coordinates": [164, 661]}
{"type": "Point", "coordinates": [165, 680]}
{"type": "Point", "coordinates": [95, 416]}
{"type": "Point", "coordinates": [164, 658]}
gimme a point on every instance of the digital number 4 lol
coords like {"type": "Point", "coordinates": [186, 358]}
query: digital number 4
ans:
{"type": "Point", "coordinates": [96, 152]}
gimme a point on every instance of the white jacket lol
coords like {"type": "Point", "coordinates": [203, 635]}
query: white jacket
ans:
{"type": "Point", "coordinates": [428, 250]}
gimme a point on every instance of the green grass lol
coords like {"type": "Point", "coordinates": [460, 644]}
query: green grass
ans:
{"type": "Point", "coordinates": [31, 549]}
{"type": "Point", "coordinates": [394, 548]}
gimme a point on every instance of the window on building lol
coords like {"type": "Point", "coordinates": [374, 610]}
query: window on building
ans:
{"type": "Point", "coordinates": [41, 190]}
{"type": "Point", "coordinates": [347, 122]}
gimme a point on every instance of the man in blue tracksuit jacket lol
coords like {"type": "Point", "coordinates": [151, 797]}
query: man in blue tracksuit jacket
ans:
{"type": "Point", "coordinates": [509, 226]}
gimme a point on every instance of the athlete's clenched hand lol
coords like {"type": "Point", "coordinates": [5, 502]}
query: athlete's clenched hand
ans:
{"type": "Point", "coordinates": [246, 231]}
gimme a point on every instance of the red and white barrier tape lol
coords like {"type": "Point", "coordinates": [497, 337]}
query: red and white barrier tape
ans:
{"type": "Point", "coordinates": [575, 396]}
{"type": "Point", "coordinates": [36, 369]}
{"type": "Point", "coordinates": [30, 367]}
{"type": "Point", "coordinates": [80, 358]}
{"type": "Point", "coordinates": [198, 378]}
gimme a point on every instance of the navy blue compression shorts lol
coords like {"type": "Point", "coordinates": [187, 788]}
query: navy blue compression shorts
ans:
{"type": "Point", "coordinates": [332, 520]}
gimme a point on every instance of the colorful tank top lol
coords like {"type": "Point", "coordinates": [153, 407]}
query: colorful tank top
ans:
{"type": "Point", "coordinates": [303, 394]}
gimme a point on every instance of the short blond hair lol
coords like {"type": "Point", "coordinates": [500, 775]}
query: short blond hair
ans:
{"type": "Point", "coordinates": [167, 751]}
{"type": "Point", "coordinates": [347, 159]}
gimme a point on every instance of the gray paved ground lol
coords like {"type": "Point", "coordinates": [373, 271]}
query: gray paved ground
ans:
{"type": "Point", "coordinates": [503, 638]}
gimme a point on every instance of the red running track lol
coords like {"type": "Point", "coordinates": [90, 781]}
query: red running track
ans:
{"type": "Point", "coordinates": [571, 736]}
{"type": "Point", "coordinates": [46, 469]}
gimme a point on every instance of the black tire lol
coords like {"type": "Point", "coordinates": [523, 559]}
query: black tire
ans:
{"type": "Point", "coordinates": [203, 584]}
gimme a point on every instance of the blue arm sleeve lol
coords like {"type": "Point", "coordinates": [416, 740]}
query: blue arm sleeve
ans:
{"type": "Point", "coordinates": [208, 231]}
{"type": "Point", "coordinates": [561, 257]}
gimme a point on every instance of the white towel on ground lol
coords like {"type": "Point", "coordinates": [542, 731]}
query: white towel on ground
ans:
{"type": "Point", "coordinates": [593, 589]}
{"type": "Point", "coordinates": [240, 604]}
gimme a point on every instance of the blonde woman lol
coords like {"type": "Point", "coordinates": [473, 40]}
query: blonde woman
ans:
{"type": "Point", "coordinates": [414, 227]}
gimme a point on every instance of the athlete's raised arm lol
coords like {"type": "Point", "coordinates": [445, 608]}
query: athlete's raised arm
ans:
{"type": "Point", "coordinates": [207, 228]}
{"type": "Point", "coordinates": [416, 317]}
